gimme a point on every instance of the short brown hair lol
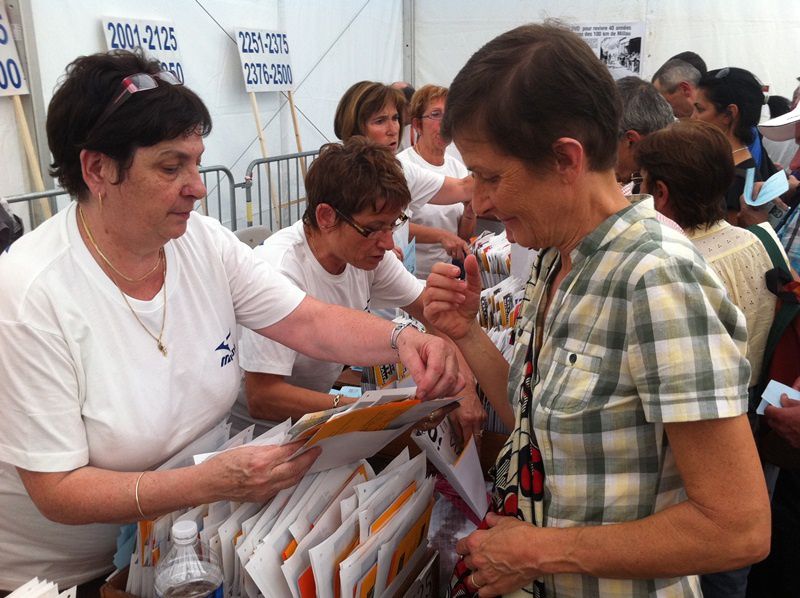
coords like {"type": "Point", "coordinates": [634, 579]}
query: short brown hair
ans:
{"type": "Point", "coordinates": [424, 96]}
{"type": "Point", "coordinates": [353, 177]}
{"type": "Point", "coordinates": [531, 85]}
{"type": "Point", "coordinates": [693, 159]}
{"type": "Point", "coordinates": [359, 103]}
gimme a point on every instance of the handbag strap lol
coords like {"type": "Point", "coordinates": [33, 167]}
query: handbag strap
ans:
{"type": "Point", "coordinates": [787, 311]}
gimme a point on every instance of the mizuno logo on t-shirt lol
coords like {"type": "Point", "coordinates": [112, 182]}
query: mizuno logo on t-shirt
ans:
{"type": "Point", "coordinates": [230, 352]}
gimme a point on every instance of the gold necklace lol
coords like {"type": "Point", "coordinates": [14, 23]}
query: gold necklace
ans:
{"type": "Point", "coordinates": [106, 260]}
{"type": "Point", "coordinates": [161, 257]}
{"type": "Point", "coordinates": [739, 150]}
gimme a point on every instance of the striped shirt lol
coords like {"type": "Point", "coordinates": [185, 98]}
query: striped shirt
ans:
{"type": "Point", "coordinates": [640, 333]}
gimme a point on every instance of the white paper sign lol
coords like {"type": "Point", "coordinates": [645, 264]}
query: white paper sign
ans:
{"type": "Point", "coordinates": [618, 45]}
{"type": "Point", "coordinates": [12, 79]}
{"type": "Point", "coordinates": [266, 63]}
{"type": "Point", "coordinates": [157, 38]}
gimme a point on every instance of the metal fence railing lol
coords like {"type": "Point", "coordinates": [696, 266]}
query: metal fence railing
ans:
{"type": "Point", "coordinates": [275, 190]}
{"type": "Point", "coordinates": [274, 195]}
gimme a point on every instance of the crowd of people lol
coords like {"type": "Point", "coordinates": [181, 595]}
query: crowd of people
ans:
{"type": "Point", "coordinates": [632, 467]}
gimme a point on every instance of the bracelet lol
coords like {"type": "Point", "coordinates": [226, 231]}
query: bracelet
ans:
{"type": "Point", "coordinates": [396, 333]}
{"type": "Point", "coordinates": [336, 399]}
{"type": "Point", "coordinates": [136, 495]}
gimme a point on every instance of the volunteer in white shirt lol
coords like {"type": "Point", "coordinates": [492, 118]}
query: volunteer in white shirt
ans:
{"type": "Point", "coordinates": [454, 224]}
{"type": "Point", "coordinates": [118, 331]}
{"type": "Point", "coordinates": [340, 253]}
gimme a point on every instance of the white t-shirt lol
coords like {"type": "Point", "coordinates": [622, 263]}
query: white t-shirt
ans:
{"type": "Point", "coordinates": [444, 217]}
{"type": "Point", "coordinates": [84, 384]}
{"type": "Point", "coordinates": [388, 285]}
{"type": "Point", "coordinates": [422, 184]}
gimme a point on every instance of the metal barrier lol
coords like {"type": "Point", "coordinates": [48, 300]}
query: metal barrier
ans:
{"type": "Point", "coordinates": [281, 178]}
{"type": "Point", "coordinates": [275, 189]}
{"type": "Point", "coordinates": [219, 183]}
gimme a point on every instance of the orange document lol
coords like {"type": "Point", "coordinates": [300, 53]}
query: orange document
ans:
{"type": "Point", "coordinates": [369, 419]}
{"type": "Point", "coordinates": [410, 542]}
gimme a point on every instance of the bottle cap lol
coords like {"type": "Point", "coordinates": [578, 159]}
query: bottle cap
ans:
{"type": "Point", "coordinates": [184, 532]}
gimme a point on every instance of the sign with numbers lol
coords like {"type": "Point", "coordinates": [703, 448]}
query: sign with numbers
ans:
{"type": "Point", "coordinates": [266, 64]}
{"type": "Point", "coordinates": [157, 38]}
{"type": "Point", "coordinates": [12, 79]}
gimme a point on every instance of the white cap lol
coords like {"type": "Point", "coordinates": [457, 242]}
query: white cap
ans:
{"type": "Point", "coordinates": [184, 532]}
{"type": "Point", "coordinates": [781, 128]}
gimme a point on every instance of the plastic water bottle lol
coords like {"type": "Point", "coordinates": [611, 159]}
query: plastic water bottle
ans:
{"type": "Point", "coordinates": [189, 570]}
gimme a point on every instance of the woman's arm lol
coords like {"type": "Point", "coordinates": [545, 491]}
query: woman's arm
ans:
{"type": "Point", "coordinates": [724, 523]}
{"type": "Point", "coordinates": [466, 224]}
{"type": "Point", "coordinates": [454, 190]}
{"type": "Point", "coordinates": [343, 335]}
{"type": "Point", "coordinates": [270, 396]}
{"type": "Point", "coordinates": [92, 495]}
{"type": "Point", "coordinates": [451, 305]}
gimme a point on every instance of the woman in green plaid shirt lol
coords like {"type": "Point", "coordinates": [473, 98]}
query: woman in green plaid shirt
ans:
{"type": "Point", "coordinates": [631, 467]}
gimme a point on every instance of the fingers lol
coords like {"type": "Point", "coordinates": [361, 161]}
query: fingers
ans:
{"type": "Point", "coordinates": [789, 403]}
{"type": "Point", "coordinates": [473, 274]}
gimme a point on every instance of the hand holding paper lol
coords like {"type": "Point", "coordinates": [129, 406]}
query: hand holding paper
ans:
{"type": "Point", "coordinates": [783, 412]}
{"type": "Point", "coordinates": [254, 473]}
{"type": "Point", "coordinates": [773, 187]}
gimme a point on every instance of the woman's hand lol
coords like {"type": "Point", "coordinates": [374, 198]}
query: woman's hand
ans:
{"type": "Point", "coordinates": [452, 304]}
{"type": "Point", "coordinates": [469, 418]}
{"type": "Point", "coordinates": [496, 556]}
{"type": "Point", "coordinates": [786, 420]}
{"type": "Point", "coordinates": [455, 246]}
{"type": "Point", "coordinates": [255, 473]}
{"type": "Point", "coordinates": [432, 362]}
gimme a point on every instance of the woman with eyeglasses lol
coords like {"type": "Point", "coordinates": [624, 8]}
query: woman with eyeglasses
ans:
{"type": "Point", "coordinates": [731, 98]}
{"type": "Point", "coordinates": [375, 111]}
{"type": "Point", "coordinates": [454, 223]}
{"type": "Point", "coordinates": [356, 197]}
{"type": "Point", "coordinates": [118, 332]}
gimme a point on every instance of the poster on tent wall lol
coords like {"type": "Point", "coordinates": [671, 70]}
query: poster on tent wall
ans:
{"type": "Point", "coordinates": [265, 58]}
{"type": "Point", "coordinates": [618, 45]}
{"type": "Point", "coordinates": [156, 38]}
{"type": "Point", "coordinates": [12, 78]}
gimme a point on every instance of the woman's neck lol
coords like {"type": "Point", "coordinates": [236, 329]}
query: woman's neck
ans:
{"type": "Point", "coordinates": [322, 249]}
{"type": "Point", "coordinates": [429, 152]}
{"type": "Point", "coordinates": [739, 150]}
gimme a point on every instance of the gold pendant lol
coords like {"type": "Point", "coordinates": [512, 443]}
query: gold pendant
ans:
{"type": "Point", "coordinates": [162, 348]}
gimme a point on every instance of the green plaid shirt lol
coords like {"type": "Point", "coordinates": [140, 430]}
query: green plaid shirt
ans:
{"type": "Point", "coordinates": [639, 334]}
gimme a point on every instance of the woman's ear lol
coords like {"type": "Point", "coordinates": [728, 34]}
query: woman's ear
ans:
{"type": "Point", "coordinates": [732, 112]}
{"type": "Point", "coordinates": [570, 157]}
{"type": "Point", "coordinates": [660, 195]}
{"type": "Point", "coordinates": [95, 168]}
{"type": "Point", "coordinates": [326, 216]}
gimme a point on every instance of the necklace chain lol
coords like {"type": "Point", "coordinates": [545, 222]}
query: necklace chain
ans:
{"type": "Point", "coordinates": [162, 258]}
{"type": "Point", "coordinates": [107, 261]}
{"type": "Point", "coordinates": [739, 149]}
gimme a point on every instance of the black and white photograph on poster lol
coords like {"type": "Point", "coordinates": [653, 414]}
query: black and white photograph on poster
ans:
{"type": "Point", "coordinates": [618, 45]}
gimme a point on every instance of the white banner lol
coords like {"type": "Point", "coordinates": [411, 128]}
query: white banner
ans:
{"type": "Point", "coordinates": [266, 63]}
{"type": "Point", "coordinates": [12, 78]}
{"type": "Point", "coordinates": [156, 38]}
{"type": "Point", "coordinates": [618, 45]}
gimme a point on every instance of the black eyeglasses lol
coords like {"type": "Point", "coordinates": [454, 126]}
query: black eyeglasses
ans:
{"type": "Point", "coordinates": [369, 233]}
{"type": "Point", "coordinates": [435, 115]}
{"type": "Point", "coordinates": [133, 84]}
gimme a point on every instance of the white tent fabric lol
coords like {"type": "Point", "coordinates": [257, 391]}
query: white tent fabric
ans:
{"type": "Point", "coordinates": [335, 43]}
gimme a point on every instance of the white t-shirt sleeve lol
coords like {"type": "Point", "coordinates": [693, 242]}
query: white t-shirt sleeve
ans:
{"type": "Point", "coordinates": [260, 354]}
{"type": "Point", "coordinates": [422, 184]}
{"type": "Point", "coordinates": [261, 295]}
{"type": "Point", "coordinates": [42, 427]}
{"type": "Point", "coordinates": [393, 285]}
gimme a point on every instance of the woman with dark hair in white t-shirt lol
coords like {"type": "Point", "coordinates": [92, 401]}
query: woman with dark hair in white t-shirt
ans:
{"type": "Point", "coordinates": [118, 332]}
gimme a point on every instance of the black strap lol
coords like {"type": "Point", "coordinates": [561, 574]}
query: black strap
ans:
{"type": "Point", "coordinates": [789, 309]}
